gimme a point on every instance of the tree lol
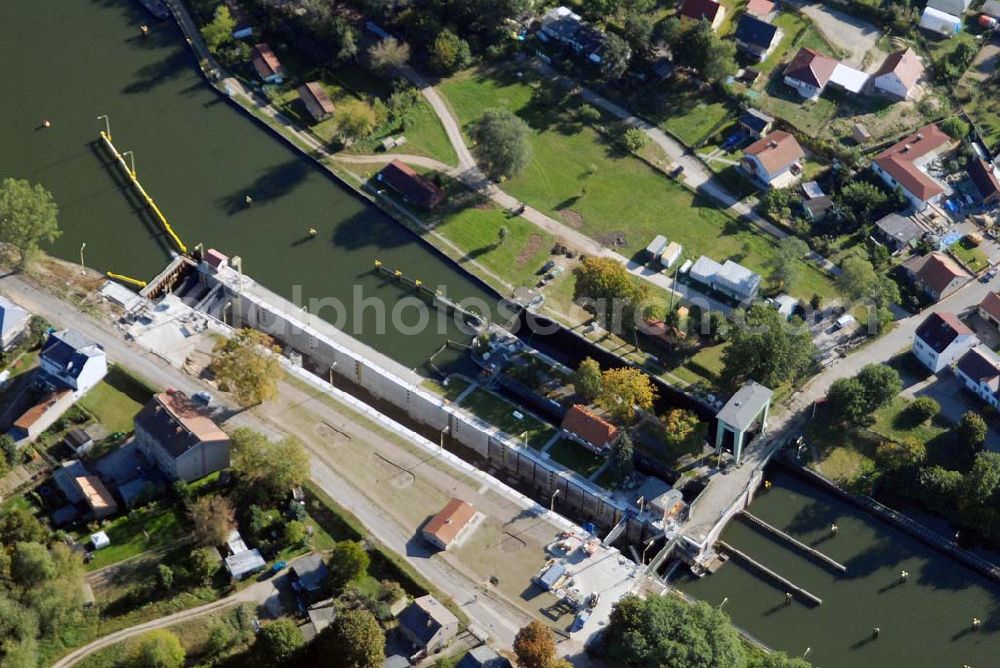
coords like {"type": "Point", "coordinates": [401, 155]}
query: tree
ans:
{"type": "Point", "coordinates": [638, 30]}
{"type": "Point", "coordinates": [203, 564]}
{"type": "Point", "coordinates": [605, 288]}
{"type": "Point", "coordinates": [940, 488]}
{"type": "Point", "coordinates": [587, 380]}
{"type": "Point", "coordinates": [160, 648]}
{"type": "Point", "coordinates": [164, 577]}
{"type": "Point", "coordinates": [766, 348]}
{"type": "Point", "coordinates": [776, 660]}
{"type": "Point", "coordinates": [786, 263]}
{"type": "Point", "coordinates": [389, 54]}
{"type": "Point", "coordinates": [880, 383]}
{"type": "Point", "coordinates": [9, 451]}
{"type": "Point", "coordinates": [28, 216]}
{"type": "Point", "coordinates": [31, 564]}
{"type": "Point", "coordinates": [977, 497]}
{"type": "Point", "coordinates": [348, 561]}
{"type": "Point", "coordinates": [683, 433]}
{"type": "Point", "coordinates": [218, 33]}
{"type": "Point", "coordinates": [355, 120]}
{"type": "Point", "coordinates": [669, 31]}
{"type": "Point", "coordinates": [704, 51]}
{"type": "Point", "coordinates": [902, 454]}
{"type": "Point", "coordinates": [859, 281]}
{"type": "Point", "coordinates": [623, 390]}
{"type": "Point", "coordinates": [857, 201]}
{"type": "Point", "coordinates": [971, 431]}
{"type": "Point", "coordinates": [449, 53]}
{"type": "Point", "coordinates": [213, 517]}
{"type": "Point", "coordinates": [355, 638]}
{"type": "Point", "coordinates": [846, 400]}
{"type": "Point", "coordinates": [501, 143]}
{"type": "Point", "coordinates": [955, 127]}
{"type": "Point", "coordinates": [665, 632]}
{"type": "Point", "coordinates": [247, 365]}
{"type": "Point", "coordinates": [588, 113]}
{"type": "Point", "coordinates": [274, 468]}
{"type": "Point", "coordinates": [634, 139]}
{"type": "Point", "coordinates": [296, 533]}
{"type": "Point", "coordinates": [923, 409]}
{"type": "Point", "coordinates": [502, 233]}
{"type": "Point", "coordinates": [615, 56]}
{"type": "Point", "coordinates": [19, 525]}
{"type": "Point", "coordinates": [622, 452]}
{"type": "Point", "coordinates": [278, 643]}
{"type": "Point", "coordinates": [535, 646]}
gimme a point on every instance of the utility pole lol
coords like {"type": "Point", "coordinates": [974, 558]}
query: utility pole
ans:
{"type": "Point", "coordinates": [107, 125]}
{"type": "Point", "coordinates": [83, 267]}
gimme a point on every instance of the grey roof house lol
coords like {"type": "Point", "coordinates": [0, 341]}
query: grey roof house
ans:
{"type": "Point", "coordinates": [743, 416]}
{"type": "Point", "coordinates": [13, 321]}
{"type": "Point", "coordinates": [897, 232]}
{"type": "Point", "coordinates": [757, 123]}
{"type": "Point", "coordinates": [483, 657]}
{"type": "Point", "coordinates": [70, 360]}
{"type": "Point", "coordinates": [756, 37]}
{"type": "Point", "coordinates": [309, 576]}
{"type": "Point", "coordinates": [173, 433]}
{"type": "Point", "coordinates": [428, 624]}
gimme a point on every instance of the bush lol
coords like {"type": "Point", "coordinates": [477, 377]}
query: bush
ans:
{"type": "Point", "coordinates": [923, 409]}
{"type": "Point", "coordinates": [634, 139]}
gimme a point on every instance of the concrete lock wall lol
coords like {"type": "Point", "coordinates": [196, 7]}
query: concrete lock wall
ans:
{"type": "Point", "coordinates": [500, 450]}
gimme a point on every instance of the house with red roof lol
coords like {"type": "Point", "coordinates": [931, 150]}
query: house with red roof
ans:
{"type": "Point", "coordinates": [589, 428]}
{"type": "Point", "coordinates": [707, 10]}
{"type": "Point", "coordinates": [936, 274]}
{"type": "Point", "coordinates": [759, 8]}
{"type": "Point", "coordinates": [774, 160]}
{"type": "Point", "coordinates": [413, 187]}
{"type": "Point", "coordinates": [809, 72]}
{"type": "Point", "coordinates": [989, 309]}
{"type": "Point", "coordinates": [267, 65]}
{"type": "Point", "coordinates": [904, 165]}
{"type": "Point", "coordinates": [941, 339]}
{"type": "Point", "coordinates": [984, 178]}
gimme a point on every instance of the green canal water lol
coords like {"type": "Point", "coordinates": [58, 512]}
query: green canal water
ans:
{"type": "Point", "coordinates": [70, 61]}
{"type": "Point", "coordinates": [924, 622]}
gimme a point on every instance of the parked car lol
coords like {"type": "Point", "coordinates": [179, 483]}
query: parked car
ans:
{"type": "Point", "coordinates": [203, 398]}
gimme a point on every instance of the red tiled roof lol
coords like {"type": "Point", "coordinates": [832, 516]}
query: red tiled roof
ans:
{"type": "Point", "coordinates": [32, 415]}
{"type": "Point", "coordinates": [811, 67]}
{"type": "Point", "coordinates": [316, 100]}
{"type": "Point", "coordinates": [905, 64]}
{"type": "Point", "coordinates": [938, 271]}
{"type": "Point", "coordinates": [984, 178]}
{"type": "Point", "coordinates": [265, 62]}
{"type": "Point", "coordinates": [448, 523]}
{"type": "Point", "coordinates": [759, 8]}
{"type": "Point", "coordinates": [412, 186]}
{"type": "Point", "coordinates": [776, 151]}
{"type": "Point", "coordinates": [939, 330]}
{"type": "Point", "coordinates": [589, 426]}
{"type": "Point", "coordinates": [991, 304]}
{"type": "Point", "coordinates": [700, 9]}
{"type": "Point", "coordinates": [898, 161]}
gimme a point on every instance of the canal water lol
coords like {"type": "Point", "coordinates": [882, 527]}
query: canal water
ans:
{"type": "Point", "coordinates": [925, 621]}
{"type": "Point", "coordinates": [70, 61]}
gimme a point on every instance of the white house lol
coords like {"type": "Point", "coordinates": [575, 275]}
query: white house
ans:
{"type": "Point", "coordinates": [13, 321]}
{"type": "Point", "coordinates": [774, 160]}
{"type": "Point", "coordinates": [941, 339]}
{"type": "Point", "coordinates": [979, 371]}
{"type": "Point", "coordinates": [904, 165]}
{"type": "Point", "coordinates": [953, 7]}
{"type": "Point", "coordinates": [809, 72]}
{"type": "Point", "coordinates": [940, 22]}
{"type": "Point", "coordinates": [69, 360]}
{"type": "Point", "coordinates": [899, 74]}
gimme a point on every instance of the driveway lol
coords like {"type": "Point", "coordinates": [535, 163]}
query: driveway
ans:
{"type": "Point", "coordinates": [853, 36]}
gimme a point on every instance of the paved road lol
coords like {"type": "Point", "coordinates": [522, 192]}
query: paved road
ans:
{"type": "Point", "coordinates": [255, 593]}
{"type": "Point", "coordinates": [853, 36]}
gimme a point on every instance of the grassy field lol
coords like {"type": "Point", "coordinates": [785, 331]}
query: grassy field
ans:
{"type": "Point", "coordinates": [894, 423]}
{"type": "Point", "coordinates": [578, 175]}
{"type": "Point", "coordinates": [574, 456]}
{"type": "Point", "coordinates": [111, 407]}
{"type": "Point", "coordinates": [695, 115]}
{"type": "Point", "coordinates": [143, 529]}
{"type": "Point", "coordinates": [970, 255]}
{"type": "Point", "coordinates": [500, 413]}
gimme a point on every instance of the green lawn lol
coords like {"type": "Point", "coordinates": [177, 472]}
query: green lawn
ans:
{"type": "Point", "coordinates": [796, 32]}
{"type": "Point", "coordinates": [576, 170]}
{"type": "Point", "coordinates": [500, 413]}
{"type": "Point", "coordinates": [695, 115]}
{"type": "Point", "coordinates": [893, 423]}
{"type": "Point", "coordinates": [574, 456]}
{"type": "Point", "coordinates": [451, 392]}
{"type": "Point", "coordinates": [142, 529]}
{"type": "Point", "coordinates": [970, 255]}
{"type": "Point", "coordinates": [516, 259]}
{"type": "Point", "coordinates": [111, 406]}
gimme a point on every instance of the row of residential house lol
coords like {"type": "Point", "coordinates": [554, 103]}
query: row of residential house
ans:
{"type": "Point", "coordinates": [810, 72]}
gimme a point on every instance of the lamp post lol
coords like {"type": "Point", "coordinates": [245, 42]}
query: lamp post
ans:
{"type": "Point", "coordinates": [552, 502]}
{"type": "Point", "coordinates": [131, 159]}
{"type": "Point", "coordinates": [83, 267]}
{"type": "Point", "coordinates": [649, 544]}
{"type": "Point", "coordinates": [107, 125]}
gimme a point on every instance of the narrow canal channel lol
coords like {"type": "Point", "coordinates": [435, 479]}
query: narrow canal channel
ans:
{"type": "Point", "coordinates": [70, 61]}
{"type": "Point", "coordinates": [924, 622]}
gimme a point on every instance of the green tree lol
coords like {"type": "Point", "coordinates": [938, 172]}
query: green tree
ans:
{"type": "Point", "coordinates": [296, 533]}
{"type": "Point", "coordinates": [278, 643]}
{"type": "Point", "coordinates": [766, 348]}
{"type": "Point", "coordinates": [164, 577]}
{"type": "Point", "coordinates": [704, 51]}
{"type": "Point", "coordinates": [902, 454]}
{"type": "Point", "coordinates": [348, 561]}
{"type": "Point", "coordinates": [274, 468]}
{"type": "Point", "coordinates": [846, 400]}
{"type": "Point", "coordinates": [219, 32]}
{"type": "Point", "coordinates": [501, 144]}
{"type": "Point", "coordinates": [615, 56]}
{"type": "Point", "coordinates": [971, 431]}
{"type": "Point", "coordinates": [605, 288]}
{"type": "Point", "coordinates": [634, 139]}
{"type": "Point", "coordinates": [389, 54]}
{"type": "Point", "coordinates": [923, 409]}
{"type": "Point", "coordinates": [940, 488]}
{"type": "Point", "coordinates": [588, 113]}
{"type": "Point", "coordinates": [859, 281]}
{"type": "Point", "coordinates": [449, 53]}
{"type": "Point", "coordinates": [954, 127]}
{"type": "Point", "coordinates": [786, 264]}
{"type": "Point", "coordinates": [638, 30]}
{"type": "Point", "coordinates": [19, 630]}
{"type": "Point", "coordinates": [213, 518]}
{"type": "Point", "coordinates": [664, 632]}
{"type": "Point", "coordinates": [355, 638]}
{"type": "Point", "coordinates": [978, 496]}
{"type": "Point", "coordinates": [203, 564]}
{"type": "Point", "coordinates": [31, 564]}
{"type": "Point", "coordinates": [669, 32]}
{"type": "Point", "coordinates": [621, 457]}
{"type": "Point", "coordinates": [160, 648]}
{"type": "Point", "coordinates": [857, 201]}
{"type": "Point", "coordinates": [28, 216]}
{"type": "Point", "coordinates": [355, 120]}
{"type": "Point", "coordinates": [683, 433]}
{"type": "Point", "coordinates": [623, 390]}
{"type": "Point", "coordinates": [19, 525]}
{"type": "Point", "coordinates": [247, 364]}
{"type": "Point", "coordinates": [880, 384]}
{"type": "Point", "coordinates": [535, 646]}
{"type": "Point", "coordinates": [587, 380]}
{"type": "Point", "coordinates": [776, 660]}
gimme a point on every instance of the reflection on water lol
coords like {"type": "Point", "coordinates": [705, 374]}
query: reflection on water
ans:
{"type": "Point", "coordinates": [73, 61]}
{"type": "Point", "coordinates": [925, 621]}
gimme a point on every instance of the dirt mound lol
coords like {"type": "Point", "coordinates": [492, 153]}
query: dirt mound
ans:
{"type": "Point", "coordinates": [572, 218]}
